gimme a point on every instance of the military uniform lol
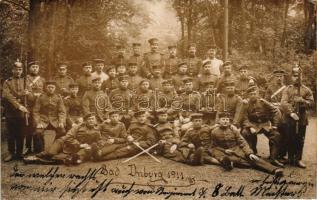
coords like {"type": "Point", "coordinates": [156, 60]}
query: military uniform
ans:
{"type": "Point", "coordinates": [143, 100]}
{"type": "Point", "coordinates": [138, 59]}
{"type": "Point", "coordinates": [84, 83]}
{"type": "Point", "coordinates": [223, 139]}
{"type": "Point", "coordinates": [178, 82]}
{"type": "Point", "coordinates": [191, 101]}
{"type": "Point", "coordinates": [296, 139]}
{"type": "Point", "coordinates": [209, 100]}
{"type": "Point", "coordinates": [110, 84]}
{"type": "Point", "coordinates": [223, 79]}
{"type": "Point", "coordinates": [156, 83]}
{"type": "Point", "coordinates": [232, 104]}
{"type": "Point", "coordinates": [151, 59]}
{"type": "Point", "coordinates": [144, 134]}
{"type": "Point", "coordinates": [62, 83]}
{"type": "Point", "coordinates": [74, 110]}
{"type": "Point", "coordinates": [134, 82]}
{"type": "Point", "coordinates": [194, 66]}
{"type": "Point", "coordinates": [49, 111]}
{"type": "Point", "coordinates": [204, 79]}
{"type": "Point", "coordinates": [242, 85]}
{"type": "Point", "coordinates": [171, 67]}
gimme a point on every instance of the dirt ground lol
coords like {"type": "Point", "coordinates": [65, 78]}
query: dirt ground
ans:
{"type": "Point", "coordinates": [144, 178]}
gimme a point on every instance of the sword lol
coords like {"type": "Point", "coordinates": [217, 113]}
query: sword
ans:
{"type": "Point", "coordinates": [146, 150]}
{"type": "Point", "coordinates": [278, 91]}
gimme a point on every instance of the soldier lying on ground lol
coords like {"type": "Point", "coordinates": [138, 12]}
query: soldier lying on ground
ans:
{"type": "Point", "coordinates": [231, 149]}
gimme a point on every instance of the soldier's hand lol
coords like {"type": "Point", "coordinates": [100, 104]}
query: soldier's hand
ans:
{"type": "Point", "coordinates": [228, 151]}
{"type": "Point", "coordinates": [60, 125]}
{"type": "Point", "coordinates": [130, 138]}
{"type": "Point", "coordinates": [191, 146]}
{"type": "Point", "coordinates": [252, 130]}
{"type": "Point", "coordinates": [173, 148]}
{"type": "Point", "coordinates": [298, 99]}
{"type": "Point", "coordinates": [110, 141]}
{"type": "Point", "coordinates": [23, 109]}
{"type": "Point", "coordinates": [294, 116]}
{"type": "Point", "coordinates": [80, 120]}
{"type": "Point", "coordinates": [253, 157]}
{"type": "Point", "coordinates": [162, 141]}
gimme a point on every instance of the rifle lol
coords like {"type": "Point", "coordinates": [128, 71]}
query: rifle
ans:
{"type": "Point", "coordinates": [297, 105]}
{"type": "Point", "coordinates": [25, 97]}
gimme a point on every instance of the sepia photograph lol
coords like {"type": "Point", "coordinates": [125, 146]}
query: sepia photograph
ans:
{"type": "Point", "coordinates": [158, 99]}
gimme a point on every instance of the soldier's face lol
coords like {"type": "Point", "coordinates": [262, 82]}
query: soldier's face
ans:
{"type": "Point", "coordinates": [154, 47]}
{"type": "Point", "coordinates": [253, 96]}
{"type": "Point", "coordinates": [188, 86]}
{"type": "Point", "coordinates": [74, 90]}
{"type": "Point", "coordinates": [227, 69]}
{"type": "Point", "coordinates": [167, 87]}
{"type": "Point", "coordinates": [112, 73]}
{"type": "Point", "coordinates": [114, 118]}
{"type": "Point", "coordinates": [17, 71]}
{"type": "Point", "coordinates": [87, 69]}
{"type": "Point", "coordinates": [212, 53]}
{"type": "Point", "coordinates": [91, 121]}
{"type": "Point", "coordinates": [162, 117]}
{"type": "Point", "coordinates": [183, 69]}
{"type": "Point", "coordinates": [133, 69]}
{"type": "Point", "coordinates": [172, 52]}
{"type": "Point", "coordinates": [279, 78]}
{"type": "Point", "coordinates": [121, 69]}
{"type": "Point", "coordinates": [192, 51]}
{"type": "Point", "coordinates": [295, 78]}
{"type": "Point", "coordinates": [145, 86]}
{"type": "Point", "coordinates": [243, 72]}
{"type": "Point", "coordinates": [120, 52]}
{"type": "Point", "coordinates": [124, 83]}
{"type": "Point", "coordinates": [99, 67]}
{"type": "Point", "coordinates": [62, 71]}
{"type": "Point", "coordinates": [34, 69]}
{"type": "Point", "coordinates": [224, 121]}
{"type": "Point", "coordinates": [97, 84]}
{"type": "Point", "coordinates": [210, 87]}
{"type": "Point", "coordinates": [230, 90]}
{"type": "Point", "coordinates": [141, 118]}
{"type": "Point", "coordinates": [157, 72]}
{"type": "Point", "coordinates": [197, 123]}
{"type": "Point", "coordinates": [137, 50]}
{"type": "Point", "coordinates": [207, 69]}
{"type": "Point", "coordinates": [50, 89]}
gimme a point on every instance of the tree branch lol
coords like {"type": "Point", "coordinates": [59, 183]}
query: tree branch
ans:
{"type": "Point", "coordinates": [15, 3]}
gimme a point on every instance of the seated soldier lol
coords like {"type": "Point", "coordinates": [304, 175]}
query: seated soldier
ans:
{"type": "Point", "coordinates": [113, 133]}
{"type": "Point", "coordinates": [231, 149]}
{"type": "Point", "coordinates": [77, 146]}
{"type": "Point", "coordinates": [192, 143]}
{"type": "Point", "coordinates": [49, 113]}
{"type": "Point", "coordinates": [139, 134]}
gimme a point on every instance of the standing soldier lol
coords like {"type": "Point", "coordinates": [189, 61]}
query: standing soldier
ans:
{"type": "Point", "coordinates": [171, 62]}
{"type": "Point", "coordinates": [96, 100]}
{"type": "Point", "coordinates": [209, 100]}
{"type": "Point", "coordinates": [36, 84]}
{"type": "Point", "coordinates": [152, 58]}
{"type": "Point", "coordinates": [193, 62]}
{"type": "Point", "coordinates": [215, 62]}
{"type": "Point", "coordinates": [119, 58]}
{"type": "Point", "coordinates": [180, 76]}
{"type": "Point", "coordinates": [227, 75]}
{"type": "Point", "coordinates": [84, 81]}
{"type": "Point", "coordinates": [260, 116]}
{"type": "Point", "coordinates": [275, 89]}
{"type": "Point", "coordinates": [191, 100]}
{"type": "Point", "coordinates": [134, 78]}
{"type": "Point", "coordinates": [230, 102]}
{"type": "Point", "coordinates": [230, 148]}
{"type": "Point", "coordinates": [99, 64]}
{"type": "Point", "coordinates": [112, 83]}
{"type": "Point", "coordinates": [63, 80]}
{"type": "Point", "coordinates": [74, 108]}
{"type": "Point", "coordinates": [143, 99]}
{"type": "Point", "coordinates": [206, 76]}
{"type": "Point", "coordinates": [243, 81]}
{"type": "Point", "coordinates": [156, 81]}
{"type": "Point", "coordinates": [49, 113]}
{"type": "Point", "coordinates": [298, 98]}
{"type": "Point", "coordinates": [137, 57]}
{"type": "Point", "coordinates": [15, 112]}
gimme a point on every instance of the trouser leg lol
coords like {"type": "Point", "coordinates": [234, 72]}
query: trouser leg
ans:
{"type": "Point", "coordinates": [250, 138]}
{"type": "Point", "coordinates": [264, 165]}
{"type": "Point", "coordinates": [274, 142]}
{"type": "Point", "coordinates": [12, 129]}
{"type": "Point", "coordinates": [300, 139]}
{"type": "Point", "coordinates": [56, 147]}
{"type": "Point", "coordinates": [109, 148]}
{"type": "Point", "coordinates": [20, 137]}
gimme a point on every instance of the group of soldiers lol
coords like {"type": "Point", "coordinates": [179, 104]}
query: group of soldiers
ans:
{"type": "Point", "coordinates": [189, 110]}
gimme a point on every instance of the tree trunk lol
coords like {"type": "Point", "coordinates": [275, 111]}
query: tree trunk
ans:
{"type": "Point", "coordinates": [283, 38]}
{"type": "Point", "coordinates": [33, 21]}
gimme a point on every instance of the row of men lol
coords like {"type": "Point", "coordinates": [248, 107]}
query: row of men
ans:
{"type": "Point", "coordinates": [254, 116]}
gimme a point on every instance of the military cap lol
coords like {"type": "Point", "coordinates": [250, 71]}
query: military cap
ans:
{"type": "Point", "coordinates": [96, 79]}
{"type": "Point", "coordinates": [252, 89]}
{"type": "Point", "coordinates": [90, 114]}
{"type": "Point", "coordinates": [153, 40]}
{"type": "Point", "coordinates": [132, 62]}
{"type": "Point", "coordinates": [208, 62]}
{"type": "Point", "coordinates": [17, 64]}
{"type": "Point", "coordinates": [110, 67]}
{"type": "Point", "coordinates": [136, 44]}
{"type": "Point", "coordinates": [209, 82]}
{"type": "Point", "coordinates": [161, 111]}
{"type": "Point", "coordinates": [140, 112]}
{"type": "Point", "coordinates": [229, 82]}
{"type": "Point", "coordinates": [62, 65]}
{"type": "Point", "coordinates": [182, 63]}
{"type": "Point", "coordinates": [223, 115]}
{"type": "Point", "coordinates": [155, 66]}
{"type": "Point", "coordinates": [88, 63]}
{"type": "Point", "coordinates": [243, 67]}
{"type": "Point", "coordinates": [191, 45]}
{"type": "Point", "coordinates": [120, 64]}
{"type": "Point", "coordinates": [73, 85]}
{"type": "Point", "coordinates": [227, 63]}
{"type": "Point", "coordinates": [212, 47]}
{"type": "Point", "coordinates": [123, 77]}
{"type": "Point", "coordinates": [296, 70]}
{"type": "Point", "coordinates": [35, 62]}
{"type": "Point", "coordinates": [278, 71]}
{"type": "Point", "coordinates": [144, 80]}
{"type": "Point", "coordinates": [171, 47]}
{"type": "Point", "coordinates": [196, 116]}
{"type": "Point", "coordinates": [112, 112]}
{"type": "Point", "coordinates": [187, 80]}
{"type": "Point", "coordinates": [98, 60]}
{"type": "Point", "coordinates": [168, 81]}
{"type": "Point", "coordinates": [50, 82]}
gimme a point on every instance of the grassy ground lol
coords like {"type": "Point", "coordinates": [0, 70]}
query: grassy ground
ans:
{"type": "Point", "coordinates": [174, 177]}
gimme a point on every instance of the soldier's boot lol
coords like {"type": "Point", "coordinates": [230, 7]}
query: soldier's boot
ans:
{"type": "Point", "coordinates": [226, 163]}
{"type": "Point", "coordinates": [197, 157]}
